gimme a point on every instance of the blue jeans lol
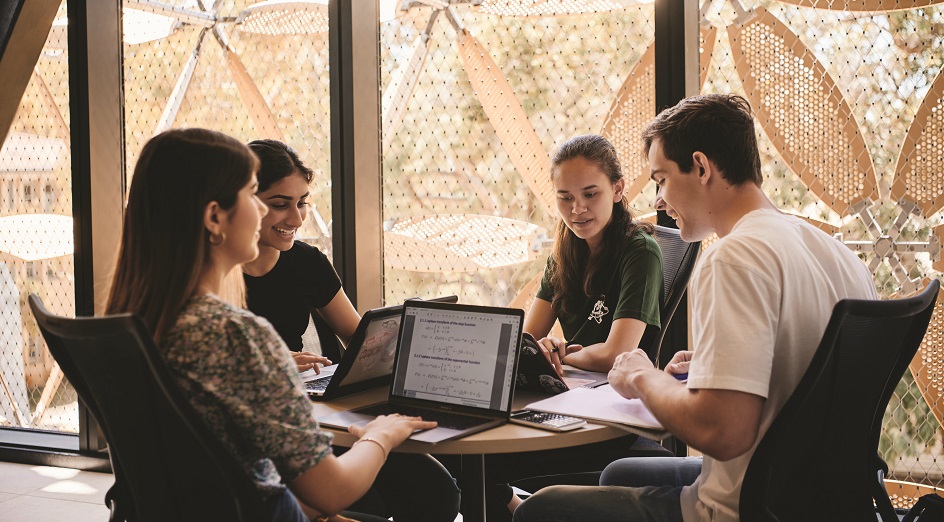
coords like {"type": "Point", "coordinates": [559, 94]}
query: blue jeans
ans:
{"type": "Point", "coordinates": [637, 489]}
{"type": "Point", "coordinates": [283, 507]}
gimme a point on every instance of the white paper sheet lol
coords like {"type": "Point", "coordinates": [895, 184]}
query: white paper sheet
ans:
{"type": "Point", "coordinates": [600, 404]}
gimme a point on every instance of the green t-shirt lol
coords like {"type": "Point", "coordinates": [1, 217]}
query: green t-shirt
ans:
{"type": "Point", "coordinates": [634, 292]}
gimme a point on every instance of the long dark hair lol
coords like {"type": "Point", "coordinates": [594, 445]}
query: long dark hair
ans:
{"type": "Point", "coordinates": [276, 162]}
{"type": "Point", "coordinates": [164, 248]}
{"type": "Point", "coordinates": [578, 274]}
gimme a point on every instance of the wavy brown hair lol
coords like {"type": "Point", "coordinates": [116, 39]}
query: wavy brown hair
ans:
{"type": "Point", "coordinates": [578, 274]}
{"type": "Point", "coordinates": [164, 248]}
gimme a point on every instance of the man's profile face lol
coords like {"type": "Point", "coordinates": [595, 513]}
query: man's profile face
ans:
{"type": "Point", "coordinates": [679, 194]}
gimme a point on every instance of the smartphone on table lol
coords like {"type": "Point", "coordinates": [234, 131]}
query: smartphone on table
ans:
{"type": "Point", "coordinates": [547, 421]}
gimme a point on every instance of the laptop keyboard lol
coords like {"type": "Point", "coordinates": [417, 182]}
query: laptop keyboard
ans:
{"type": "Point", "coordinates": [454, 421]}
{"type": "Point", "coordinates": [318, 385]}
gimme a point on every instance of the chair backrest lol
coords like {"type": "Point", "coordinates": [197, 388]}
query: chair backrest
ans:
{"type": "Point", "coordinates": [164, 455]}
{"type": "Point", "coordinates": [819, 459]}
{"type": "Point", "coordinates": [678, 260]}
{"type": "Point", "coordinates": [928, 365]}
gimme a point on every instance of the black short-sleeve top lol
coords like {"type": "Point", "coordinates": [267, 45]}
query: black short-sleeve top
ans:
{"type": "Point", "coordinates": [303, 279]}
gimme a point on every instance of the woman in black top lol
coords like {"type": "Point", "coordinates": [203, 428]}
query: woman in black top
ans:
{"type": "Point", "coordinates": [288, 280]}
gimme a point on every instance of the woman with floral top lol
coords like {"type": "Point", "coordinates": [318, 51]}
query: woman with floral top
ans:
{"type": "Point", "coordinates": [285, 283]}
{"type": "Point", "coordinates": [192, 217]}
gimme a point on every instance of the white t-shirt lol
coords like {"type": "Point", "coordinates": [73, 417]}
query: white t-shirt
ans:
{"type": "Point", "coordinates": [762, 297]}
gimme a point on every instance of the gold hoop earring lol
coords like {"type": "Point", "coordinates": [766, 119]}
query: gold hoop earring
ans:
{"type": "Point", "coordinates": [217, 242]}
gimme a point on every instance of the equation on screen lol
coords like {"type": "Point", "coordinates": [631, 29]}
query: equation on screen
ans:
{"type": "Point", "coordinates": [448, 358]}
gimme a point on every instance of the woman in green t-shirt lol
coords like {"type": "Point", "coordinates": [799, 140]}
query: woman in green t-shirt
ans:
{"type": "Point", "coordinates": [603, 280]}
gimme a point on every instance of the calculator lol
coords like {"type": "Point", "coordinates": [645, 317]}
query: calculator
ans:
{"type": "Point", "coordinates": [547, 421]}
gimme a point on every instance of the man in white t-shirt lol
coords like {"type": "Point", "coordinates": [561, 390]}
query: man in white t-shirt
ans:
{"type": "Point", "coordinates": [761, 298]}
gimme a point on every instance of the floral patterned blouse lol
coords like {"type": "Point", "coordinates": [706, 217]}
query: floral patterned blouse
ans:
{"type": "Point", "coordinates": [239, 376]}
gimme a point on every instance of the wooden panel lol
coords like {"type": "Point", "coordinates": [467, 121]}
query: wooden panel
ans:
{"type": "Point", "coordinates": [30, 22]}
{"type": "Point", "coordinates": [921, 161]}
{"type": "Point", "coordinates": [458, 242]}
{"type": "Point", "coordinates": [939, 263]}
{"type": "Point", "coordinates": [397, 96]}
{"type": "Point", "coordinates": [506, 115]}
{"type": "Point", "coordinates": [904, 494]}
{"type": "Point", "coordinates": [259, 112]}
{"type": "Point", "coordinates": [633, 108]}
{"type": "Point", "coordinates": [803, 112]}
{"type": "Point", "coordinates": [863, 5]}
{"type": "Point", "coordinates": [707, 37]}
{"type": "Point", "coordinates": [927, 367]}
{"type": "Point", "coordinates": [547, 8]}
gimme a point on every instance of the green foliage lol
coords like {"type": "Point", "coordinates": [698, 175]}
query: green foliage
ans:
{"type": "Point", "coordinates": [909, 428]}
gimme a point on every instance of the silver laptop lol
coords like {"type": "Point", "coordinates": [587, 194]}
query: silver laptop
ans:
{"type": "Point", "coordinates": [455, 365]}
{"type": "Point", "coordinates": [368, 361]}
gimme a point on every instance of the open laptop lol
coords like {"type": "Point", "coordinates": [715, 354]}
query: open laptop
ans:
{"type": "Point", "coordinates": [455, 364]}
{"type": "Point", "coordinates": [368, 361]}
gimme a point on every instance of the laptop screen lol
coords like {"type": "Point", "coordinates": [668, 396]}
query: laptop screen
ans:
{"type": "Point", "coordinates": [377, 335]}
{"type": "Point", "coordinates": [458, 354]}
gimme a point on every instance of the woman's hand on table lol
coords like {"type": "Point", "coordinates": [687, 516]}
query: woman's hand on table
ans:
{"type": "Point", "coordinates": [308, 361]}
{"type": "Point", "coordinates": [555, 350]}
{"type": "Point", "coordinates": [391, 430]}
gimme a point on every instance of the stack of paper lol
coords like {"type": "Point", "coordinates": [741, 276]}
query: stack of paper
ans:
{"type": "Point", "coordinates": [601, 404]}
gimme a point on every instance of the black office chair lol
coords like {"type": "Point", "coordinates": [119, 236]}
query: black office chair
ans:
{"type": "Point", "coordinates": [168, 465]}
{"type": "Point", "coordinates": [819, 459]}
{"type": "Point", "coordinates": [678, 260]}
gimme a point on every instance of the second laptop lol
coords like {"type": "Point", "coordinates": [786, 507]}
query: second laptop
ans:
{"type": "Point", "coordinates": [455, 365]}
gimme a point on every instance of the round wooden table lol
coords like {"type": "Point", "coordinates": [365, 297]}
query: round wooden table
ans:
{"type": "Point", "coordinates": [508, 438]}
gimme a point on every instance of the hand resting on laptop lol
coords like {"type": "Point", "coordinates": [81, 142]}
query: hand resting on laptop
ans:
{"type": "Point", "coordinates": [389, 431]}
{"type": "Point", "coordinates": [309, 361]}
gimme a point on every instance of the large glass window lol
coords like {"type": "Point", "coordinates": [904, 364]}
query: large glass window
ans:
{"type": "Point", "coordinates": [36, 244]}
{"type": "Point", "coordinates": [476, 96]}
{"type": "Point", "coordinates": [251, 70]}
